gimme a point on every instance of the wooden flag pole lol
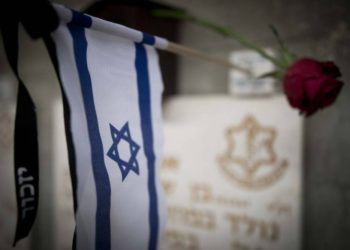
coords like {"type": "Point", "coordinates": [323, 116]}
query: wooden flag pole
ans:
{"type": "Point", "coordinates": [161, 43]}
{"type": "Point", "coordinates": [187, 51]}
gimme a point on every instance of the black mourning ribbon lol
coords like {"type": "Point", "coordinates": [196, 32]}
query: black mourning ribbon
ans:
{"type": "Point", "coordinates": [38, 18]}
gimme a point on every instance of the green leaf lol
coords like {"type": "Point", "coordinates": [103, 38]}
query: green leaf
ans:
{"type": "Point", "coordinates": [285, 53]}
{"type": "Point", "coordinates": [272, 74]}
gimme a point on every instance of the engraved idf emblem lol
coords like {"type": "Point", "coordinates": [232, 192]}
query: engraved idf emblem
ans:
{"type": "Point", "coordinates": [250, 159]}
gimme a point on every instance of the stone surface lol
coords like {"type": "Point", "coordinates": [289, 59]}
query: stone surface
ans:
{"type": "Point", "coordinates": [232, 179]}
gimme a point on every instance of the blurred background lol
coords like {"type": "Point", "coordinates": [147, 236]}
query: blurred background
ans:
{"type": "Point", "coordinates": [316, 185]}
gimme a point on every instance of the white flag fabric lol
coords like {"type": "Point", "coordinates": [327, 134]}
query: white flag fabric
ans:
{"type": "Point", "coordinates": [112, 90]}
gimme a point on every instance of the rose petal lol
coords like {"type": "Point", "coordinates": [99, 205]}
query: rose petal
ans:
{"type": "Point", "coordinates": [305, 67]}
{"type": "Point", "coordinates": [330, 69]}
{"type": "Point", "coordinates": [294, 91]}
{"type": "Point", "coordinates": [310, 85]}
{"type": "Point", "coordinates": [330, 93]}
{"type": "Point", "coordinates": [313, 86]}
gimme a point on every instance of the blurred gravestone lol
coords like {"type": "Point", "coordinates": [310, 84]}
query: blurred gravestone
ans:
{"type": "Point", "coordinates": [232, 174]}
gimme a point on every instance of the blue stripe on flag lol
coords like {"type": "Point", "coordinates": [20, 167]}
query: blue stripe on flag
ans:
{"type": "Point", "coordinates": [103, 188]}
{"type": "Point", "coordinates": [147, 133]}
{"type": "Point", "coordinates": [148, 39]}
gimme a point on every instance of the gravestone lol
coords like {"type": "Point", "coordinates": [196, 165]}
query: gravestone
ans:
{"type": "Point", "coordinates": [232, 173]}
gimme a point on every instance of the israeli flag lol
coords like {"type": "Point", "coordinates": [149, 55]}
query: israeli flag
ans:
{"type": "Point", "coordinates": [112, 88]}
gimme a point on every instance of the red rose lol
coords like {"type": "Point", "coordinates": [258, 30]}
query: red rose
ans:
{"type": "Point", "coordinates": [311, 85]}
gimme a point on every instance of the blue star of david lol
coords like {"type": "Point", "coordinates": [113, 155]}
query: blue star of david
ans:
{"type": "Point", "coordinates": [125, 165]}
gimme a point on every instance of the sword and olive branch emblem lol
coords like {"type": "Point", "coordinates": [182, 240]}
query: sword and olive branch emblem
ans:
{"type": "Point", "coordinates": [250, 159]}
